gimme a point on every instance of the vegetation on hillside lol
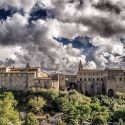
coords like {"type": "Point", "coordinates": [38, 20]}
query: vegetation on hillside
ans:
{"type": "Point", "coordinates": [75, 107]}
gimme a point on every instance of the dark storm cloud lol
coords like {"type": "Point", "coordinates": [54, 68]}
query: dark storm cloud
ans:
{"type": "Point", "coordinates": [34, 31]}
{"type": "Point", "coordinates": [106, 27]}
{"type": "Point", "coordinates": [108, 6]}
{"type": "Point", "coordinates": [123, 59]}
{"type": "Point", "coordinates": [80, 4]}
{"type": "Point", "coordinates": [7, 62]}
{"type": "Point", "coordinates": [107, 21]}
{"type": "Point", "coordinates": [80, 1]}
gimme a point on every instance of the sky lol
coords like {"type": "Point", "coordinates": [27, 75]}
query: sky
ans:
{"type": "Point", "coordinates": [56, 34]}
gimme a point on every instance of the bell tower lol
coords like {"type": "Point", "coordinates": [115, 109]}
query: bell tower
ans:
{"type": "Point", "coordinates": [80, 66]}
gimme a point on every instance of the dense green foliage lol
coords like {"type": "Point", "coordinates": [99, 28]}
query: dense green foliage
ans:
{"type": "Point", "coordinates": [8, 114]}
{"type": "Point", "coordinates": [30, 119]}
{"type": "Point", "coordinates": [36, 104]}
{"type": "Point", "coordinates": [75, 108]}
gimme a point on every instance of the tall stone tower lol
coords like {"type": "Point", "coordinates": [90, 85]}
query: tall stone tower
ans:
{"type": "Point", "coordinates": [80, 77]}
{"type": "Point", "coordinates": [80, 66]}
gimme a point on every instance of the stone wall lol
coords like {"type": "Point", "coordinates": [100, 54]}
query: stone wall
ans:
{"type": "Point", "coordinates": [91, 80]}
{"type": "Point", "coordinates": [26, 78]}
{"type": "Point", "coordinates": [62, 81]}
{"type": "Point", "coordinates": [18, 81]}
{"type": "Point", "coordinates": [115, 80]}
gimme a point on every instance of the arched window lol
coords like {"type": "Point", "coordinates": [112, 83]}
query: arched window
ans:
{"type": "Point", "coordinates": [72, 86]}
{"type": "Point", "coordinates": [110, 93]}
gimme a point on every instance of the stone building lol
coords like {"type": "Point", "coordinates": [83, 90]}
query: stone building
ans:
{"type": "Point", "coordinates": [87, 81]}
{"type": "Point", "coordinates": [97, 81]}
{"type": "Point", "coordinates": [24, 78]}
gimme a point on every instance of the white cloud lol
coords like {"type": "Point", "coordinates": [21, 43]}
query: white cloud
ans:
{"type": "Point", "coordinates": [70, 20]}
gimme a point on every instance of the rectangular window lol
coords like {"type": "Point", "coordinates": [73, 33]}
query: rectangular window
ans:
{"type": "Point", "coordinates": [84, 79]}
{"type": "Point", "coordinates": [120, 79]}
{"type": "Point", "coordinates": [89, 79]}
{"type": "Point", "coordinates": [80, 79]}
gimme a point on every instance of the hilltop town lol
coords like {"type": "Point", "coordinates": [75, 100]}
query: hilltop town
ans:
{"type": "Point", "coordinates": [86, 81]}
{"type": "Point", "coordinates": [34, 97]}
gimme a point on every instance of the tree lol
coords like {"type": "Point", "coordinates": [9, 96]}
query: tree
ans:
{"type": "Point", "coordinates": [84, 112]}
{"type": "Point", "coordinates": [76, 98]}
{"type": "Point", "coordinates": [35, 105]}
{"type": "Point", "coordinates": [95, 107]}
{"type": "Point", "coordinates": [72, 115]}
{"type": "Point", "coordinates": [7, 95]}
{"type": "Point", "coordinates": [8, 114]}
{"type": "Point", "coordinates": [62, 104]}
{"type": "Point", "coordinates": [31, 120]}
{"type": "Point", "coordinates": [49, 94]}
{"type": "Point", "coordinates": [98, 120]}
{"type": "Point", "coordinates": [119, 114]}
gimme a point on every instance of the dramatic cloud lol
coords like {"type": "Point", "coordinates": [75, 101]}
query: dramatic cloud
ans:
{"type": "Point", "coordinates": [56, 34]}
{"type": "Point", "coordinates": [108, 6]}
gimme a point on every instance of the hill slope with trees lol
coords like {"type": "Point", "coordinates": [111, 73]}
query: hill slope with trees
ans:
{"type": "Point", "coordinates": [76, 109]}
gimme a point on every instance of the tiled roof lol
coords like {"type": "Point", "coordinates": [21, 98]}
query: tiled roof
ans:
{"type": "Point", "coordinates": [43, 78]}
{"type": "Point", "coordinates": [23, 68]}
{"type": "Point", "coordinates": [40, 116]}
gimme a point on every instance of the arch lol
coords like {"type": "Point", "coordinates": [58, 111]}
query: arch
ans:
{"type": "Point", "coordinates": [92, 86]}
{"type": "Point", "coordinates": [110, 93]}
{"type": "Point", "coordinates": [103, 88]}
{"type": "Point", "coordinates": [86, 93]}
{"type": "Point", "coordinates": [72, 86]}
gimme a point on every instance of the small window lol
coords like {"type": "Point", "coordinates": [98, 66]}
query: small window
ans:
{"type": "Point", "coordinates": [92, 86]}
{"type": "Point", "coordinates": [93, 79]}
{"type": "Point", "coordinates": [97, 79]}
{"type": "Point", "coordinates": [80, 79]}
{"type": "Point", "coordinates": [89, 79]}
{"type": "Point", "coordinates": [84, 79]}
{"type": "Point", "coordinates": [120, 79]}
